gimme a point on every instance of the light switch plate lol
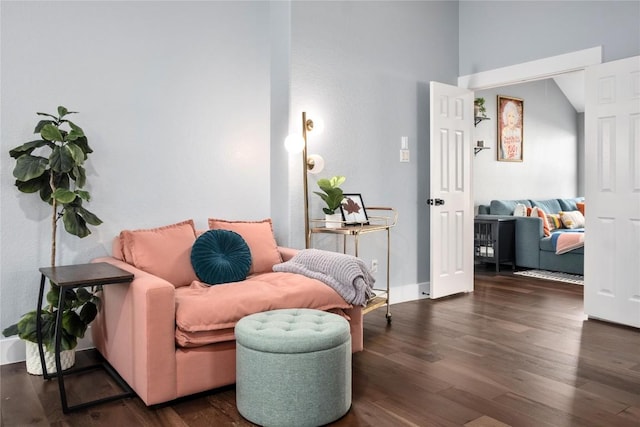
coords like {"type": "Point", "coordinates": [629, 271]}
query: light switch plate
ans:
{"type": "Point", "coordinates": [404, 156]}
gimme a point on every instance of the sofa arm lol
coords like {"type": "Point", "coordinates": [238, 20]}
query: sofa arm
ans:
{"type": "Point", "coordinates": [135, 332]}
{"type": "Point", "coordinates": [287, 253]}
{"type": "Point", "coordinates": [528, 234]}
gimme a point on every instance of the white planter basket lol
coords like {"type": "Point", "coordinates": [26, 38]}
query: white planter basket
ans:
{"type": "Point", "coordinates": [333, 221]}
{"type": "Point", "coordinates": [34, 367]}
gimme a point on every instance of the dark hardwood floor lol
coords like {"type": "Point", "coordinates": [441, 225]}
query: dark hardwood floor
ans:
{"type": "Point", "coordinates": [517, 351]}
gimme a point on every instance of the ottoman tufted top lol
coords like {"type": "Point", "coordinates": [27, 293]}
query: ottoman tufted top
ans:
{"type": "Point", "coordinates": [292, 331]}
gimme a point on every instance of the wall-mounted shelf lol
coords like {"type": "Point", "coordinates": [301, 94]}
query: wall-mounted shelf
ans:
{"type": "Point", "coordinates": [477, 149]}
{"type": "Point", "coordinates": [478, 119]}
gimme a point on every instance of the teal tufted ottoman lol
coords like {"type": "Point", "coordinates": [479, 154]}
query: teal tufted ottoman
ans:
{"type": "Point", "coordinates": [293, 367]}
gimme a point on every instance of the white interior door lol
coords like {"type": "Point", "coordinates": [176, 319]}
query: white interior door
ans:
{"type": "Point", "coordinates": [612, 199]}
{"type": "Point", "coordinates": [451, 198]}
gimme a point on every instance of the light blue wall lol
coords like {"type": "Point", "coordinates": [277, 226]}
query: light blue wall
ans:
{"type": "Point", "coordinates": [496, 34]}
{"type": "Point", "coordinates": [550, 147]}
{"type": "Point", "coordinates": [365, 68]}
{"type": "Point", "coordinates": [175, 100]}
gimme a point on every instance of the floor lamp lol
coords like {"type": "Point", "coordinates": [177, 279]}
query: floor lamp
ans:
{"type": "Point", "coordinates": [314, 163]}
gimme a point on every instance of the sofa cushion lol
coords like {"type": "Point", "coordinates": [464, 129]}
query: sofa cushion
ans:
{"type": "Point", "coordinates": [164, 251]}
{"type": "Point", "coordinates": [259, 237]}
{"type": "Point", "coordinates": [580, 207]}
{"type": "Point", "coordinates": [570, 204]}
{"type": "Point", "coordinates": [220, 256]}
{"type": "Point", "coordinates": [198, 323]}
{"type": "Point", "coordinates": [548, 206]}
{"type": "Point", "coordinates": [506, 207]}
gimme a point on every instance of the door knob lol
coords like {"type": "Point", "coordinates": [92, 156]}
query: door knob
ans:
{"type": "Point", "coordinates": [436, 202]}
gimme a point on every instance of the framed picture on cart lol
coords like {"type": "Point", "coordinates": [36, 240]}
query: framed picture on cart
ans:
{"type": "Point", "coordinates": [353, 210]}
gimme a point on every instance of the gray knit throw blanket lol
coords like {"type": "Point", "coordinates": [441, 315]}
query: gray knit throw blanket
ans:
{"type": "Point", "coordinates": [346, 274]}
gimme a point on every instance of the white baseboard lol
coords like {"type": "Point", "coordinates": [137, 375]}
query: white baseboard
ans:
{"type": "Point", "coordinates": [12, 349]}
{"type": "Point", "coordinates": [409, 292]}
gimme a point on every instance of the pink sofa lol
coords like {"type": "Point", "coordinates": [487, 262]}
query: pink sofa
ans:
{"type": "Point", "coordinates": [168, 335]}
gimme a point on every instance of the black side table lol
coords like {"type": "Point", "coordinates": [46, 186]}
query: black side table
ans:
{"type": "Point", "coordinates": [494, 240]}
{"type": "Point", "coordinates": [70, 277]}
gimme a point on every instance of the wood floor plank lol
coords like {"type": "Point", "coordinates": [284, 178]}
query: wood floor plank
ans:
{"type": "Point", "coordinates": [19, 402]}
{"type": "Point", "coordinates": [494, 411]}
{"type": "Point", "coordinates": [517, 352]}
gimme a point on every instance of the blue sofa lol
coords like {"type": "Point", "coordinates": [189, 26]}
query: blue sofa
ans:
{"type": "Point", "coordinates": [533, 248]}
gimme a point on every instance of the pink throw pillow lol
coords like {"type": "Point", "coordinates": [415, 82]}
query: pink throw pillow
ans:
{"type": "Point", "coordinates": [164, 251]}
{"type": "Point", "coordinates": [259, 238]}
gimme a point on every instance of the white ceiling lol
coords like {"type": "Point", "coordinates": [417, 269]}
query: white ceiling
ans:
{"type": "Point", "coordinates": [572, 85]}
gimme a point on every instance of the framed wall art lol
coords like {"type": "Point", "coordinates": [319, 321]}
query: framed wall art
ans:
{"type": "Point", "coordinates": [510, 129]}
{"type": "Point", "coordinates": [353, 210]}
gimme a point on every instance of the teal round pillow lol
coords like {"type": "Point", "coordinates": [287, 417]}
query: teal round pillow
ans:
{"type": "Point", "coordinates": [220, 256]}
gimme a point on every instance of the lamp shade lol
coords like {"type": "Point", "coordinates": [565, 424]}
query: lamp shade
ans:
{"type": "Point", "coordinates": [315, 164]}
{"type": "Point", "coordinates": [294, 143]}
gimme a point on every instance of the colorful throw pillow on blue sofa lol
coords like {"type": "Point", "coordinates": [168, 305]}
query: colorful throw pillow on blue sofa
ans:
{"type": "Point", "coordinates": [572, 219]}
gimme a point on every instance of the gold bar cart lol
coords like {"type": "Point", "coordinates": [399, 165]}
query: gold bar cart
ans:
{"type": "Point", "coordinates": [383, 221]}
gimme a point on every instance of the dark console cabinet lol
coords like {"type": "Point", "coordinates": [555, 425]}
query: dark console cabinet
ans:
{"type": "Point", "coordinates": [494, 240]}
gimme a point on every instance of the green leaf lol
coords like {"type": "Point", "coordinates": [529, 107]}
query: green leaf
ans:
{"type": "Point", "coordinates": [322, 196]}
{"type": "Point", "coordinates": [33, 185]}
{"type": "Point", "coordinates": [337, 181]}
{"type": "Point", "coordinates": [11, 330]}
{"type": "Point", "coordinates": [63, 195]}
{"type": "Point", "coordinates": [88, 312]}
{"type": "Point", "coordinates": [27, 148]}
{"type": "Point", "coordinates": [51, 133]}
{"type": "Point", "coordinates": [53, 296]}
{"type": "Point", "coordinates": [45, 194]}
{"type": "Point", "coordinates": [48, 330]}
{"type": "Point", "coordinates": [74, 223]}
{"type": "Point", "coordinates": [75, 133]}
{"type": "Point", "coordinates": [76, 152]}
{"type": "Point", "coordinates": [69, 340]}
{"type": "Point", "coordinates": [79, 176]}
{"type": "Point", "coordinates": [61, 159]}
{"type": "Point", "coordinates": [88, 216]}
{"type": "Point", "coordinates": [83, 143]}
{"type": "Point", "coordinates": [27, 326]}
{"type": "Point", "coordinates": [84, 195]}
{"type": "Point", "coordinates": [48, 115]}
{"type": "Point", "coordinates": [62, 111]}
{"type": "Point", "coordinates": [83, 295]}
{"type": "Point", "coordinates": [29, 167]}
{"type": "Point", "coordinates": [41, 124]}
{"type": "Point", "coordinates": [72, 323]}
{"type": "Point", "coordinates": [61, 180]}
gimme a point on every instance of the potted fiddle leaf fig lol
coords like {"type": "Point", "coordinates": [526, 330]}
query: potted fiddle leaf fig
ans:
{"type": "Point", "coordinates": [332, 196]}
{"type": "Point", "coordinates": [52, 167]}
